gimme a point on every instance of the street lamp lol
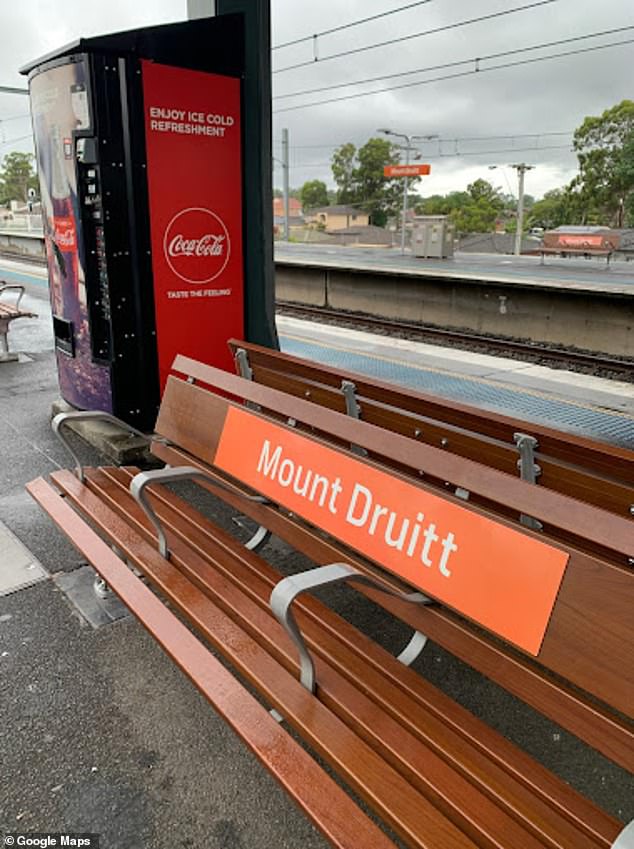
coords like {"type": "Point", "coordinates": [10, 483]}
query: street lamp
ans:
{"type": "Point", "coordinates": [408, 146]}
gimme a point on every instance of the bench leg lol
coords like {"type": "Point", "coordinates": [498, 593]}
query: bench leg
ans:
{"type": "Point", "coordinates": [287, 590]}
{"type": "Point", "coordinates": [5, 355]}
{"type": "Point", "coordinates": [101, 588]}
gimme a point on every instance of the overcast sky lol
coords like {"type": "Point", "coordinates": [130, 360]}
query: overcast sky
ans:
{"type": "Point", "coordinates": [544, 97]}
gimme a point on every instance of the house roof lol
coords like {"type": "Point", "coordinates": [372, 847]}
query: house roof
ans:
{"type": "Point", "coordinates": [338, 209]}
{"type": "Point", "coordinates": [294, 204]}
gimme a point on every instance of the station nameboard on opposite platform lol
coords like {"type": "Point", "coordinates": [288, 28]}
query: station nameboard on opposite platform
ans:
{"type": "Point", "coordinates": [406, 170]}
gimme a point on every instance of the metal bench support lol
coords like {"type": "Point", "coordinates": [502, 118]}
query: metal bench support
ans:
{"type": "Point", "coordinates": [287, 590]}
{"type": "Point", "coordinates": [179, 473]}
{"type": "Point", "coordinates": [529, 471]}
{"type": "Point", "coordinates": [353, 409]}
{"type": "Point", "coordinates": [244, 370]}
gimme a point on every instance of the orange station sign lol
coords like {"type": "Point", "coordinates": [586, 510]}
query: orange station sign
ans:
{"type": "Point", "coordinates": [497, 576]}
{"type": "Point", "coordinates": [406, 170]}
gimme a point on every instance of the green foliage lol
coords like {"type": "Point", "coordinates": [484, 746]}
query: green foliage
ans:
{"type": "Point", "coordinates": [17, 176]}
{"type": "Point", "coordinates": [343, 165]}
{"type": "Point", "coordinates": [604, 146]}
{"type": "Point", "coordinates": [473, 211]}
{"type": "Point", "coordinates": [313, 194]}
{"type": "Point", "coordinates": [360, 181]}
{"type": "Point", "coordinates": [556, 208]}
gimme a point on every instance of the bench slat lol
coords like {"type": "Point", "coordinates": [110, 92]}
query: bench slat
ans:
{"type": "Point", "coordinates": [601, 527]}
{"type": "Point", "coordinates": [241, 592]}
{"type": "Point", "coordinates": [411, 816]}
{"type": "Point", "coordinates": [612, 461]}
{"type": "Point", "coordinates": [405, 696]}
{"type": "Point", "coordinates": [192, 418]}
{"type": "Point", "coordinates": [555, 475]}
{"type": "Point", "coordinates": [519, 675]}
{"type": "Point", "coordinates": [315, 793]}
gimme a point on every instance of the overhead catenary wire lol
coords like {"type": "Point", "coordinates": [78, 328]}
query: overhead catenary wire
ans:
{"type": "Point", "coordinates": [460, 155]}
{"type": "Point", "coordinates": [434, 30]}
{"type": "Point", "coordinates": [21, 117]}
{"type": "Point", "coordinates": [457, 63]}
{"type": "Point", "coordinates": [450, 139]}
{"type": "Point", "coordinates": [442, 78]}
{"type": "Point", "coordinates": [13, 141]}
{"type": "Point", "coordinates": [350, 25]}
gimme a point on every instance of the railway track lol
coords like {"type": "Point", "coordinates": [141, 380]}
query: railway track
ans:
{"type": "Point", "coordinates": [587, 361]}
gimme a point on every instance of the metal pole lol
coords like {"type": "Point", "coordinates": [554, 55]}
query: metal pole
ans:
{"type": "Point", "coordinates": [7, 89]}
{"type": "Point", "coordinates": [285, 187]}
{"type": "Point", "coordinates": [405, 184]}
{"type": "Point", "coordinates": [521, 169]}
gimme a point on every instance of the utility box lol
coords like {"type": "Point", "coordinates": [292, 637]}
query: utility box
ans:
{"type": "Point", "coordinates": [433, 236]}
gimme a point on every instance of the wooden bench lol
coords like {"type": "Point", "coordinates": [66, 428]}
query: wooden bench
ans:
{"type": "Point", "coordinates": [586, 253]}
{"type": "Point", "coordinates": [8, 313]}
{"type": "Point", "coordinates": [579, 467]}
{"type": "Point", "coordinates": [434, 774]}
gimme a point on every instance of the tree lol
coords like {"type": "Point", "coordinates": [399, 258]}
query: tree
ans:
{"type": "Point", "coordinates": [17, 177]}
{"type": "Point", "coordinates": [343, 163]}
{"type": "Point", "coordinates": [625, 175]}
{"type": "Point", "coordinates": [606, 179]}
{"type": "Point", "coordinates": [381, 198]}
{"type": "Point", "coordinates": [556, 208]}
{"type": "Point", "coordinates": [473, 211]}
{"type": "Point", "coordinates": [481, 209]}
{"type": "Point", "coordinates": [360, 180]}
{"type": "Point", "coordinates": [313, 194]}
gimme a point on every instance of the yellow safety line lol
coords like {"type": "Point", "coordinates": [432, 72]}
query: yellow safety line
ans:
{"type": "Point", "coordinates": [447, 373]}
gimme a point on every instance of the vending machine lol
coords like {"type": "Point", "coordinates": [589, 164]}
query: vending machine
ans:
{"type": "Point", "coordinates": [140, 146]}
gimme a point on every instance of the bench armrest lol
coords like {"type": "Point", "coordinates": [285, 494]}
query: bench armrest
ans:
{"type": "Point", "coordinates": [4, 287]}
{"type": "Point", "coordinates": [169, 475]}
{"type": "Point", "coordinates": [59, 422]}
{"type": "Point", "coordinates": [287, 590]}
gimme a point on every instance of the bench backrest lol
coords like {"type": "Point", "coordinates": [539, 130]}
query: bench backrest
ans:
{"type": "Point", "coordinates": [582, 468]}
{"type": "Point", "coordinates": [589, 640]}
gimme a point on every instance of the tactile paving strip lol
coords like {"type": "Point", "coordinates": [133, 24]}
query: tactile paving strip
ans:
{"type": "Point", "coordinates": [615, 428]}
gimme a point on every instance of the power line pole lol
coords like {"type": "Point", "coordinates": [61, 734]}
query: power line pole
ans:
{"type": "Point", "coordinates": [285, 187]}
{"type": "Point", "coordinates": [405, 198]}
{"type": "Point", "coordinates": [521, 169]}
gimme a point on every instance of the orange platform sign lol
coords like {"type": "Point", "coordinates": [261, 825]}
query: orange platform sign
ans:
{"type": "Point", "coordinates": [406, 170]}
{"type": "Point", "coordinates": [501, 578]}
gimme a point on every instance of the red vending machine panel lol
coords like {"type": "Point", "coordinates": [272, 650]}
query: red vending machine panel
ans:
{"type": "Point", "coordinates": [194, 165]}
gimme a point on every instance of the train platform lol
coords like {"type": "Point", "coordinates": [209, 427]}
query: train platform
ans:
{"type": "Point", "coordinates": [566, 274]}
{"type": "Point", "coordinates": [575, 403]}
{"type": "Point", "coordinates": [99, 728]}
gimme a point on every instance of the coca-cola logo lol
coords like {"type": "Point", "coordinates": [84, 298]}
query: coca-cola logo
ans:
{"type": "Point", "coordinates": [64, 233]}
{"type": "Point", "coordinates": [197, 245]}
